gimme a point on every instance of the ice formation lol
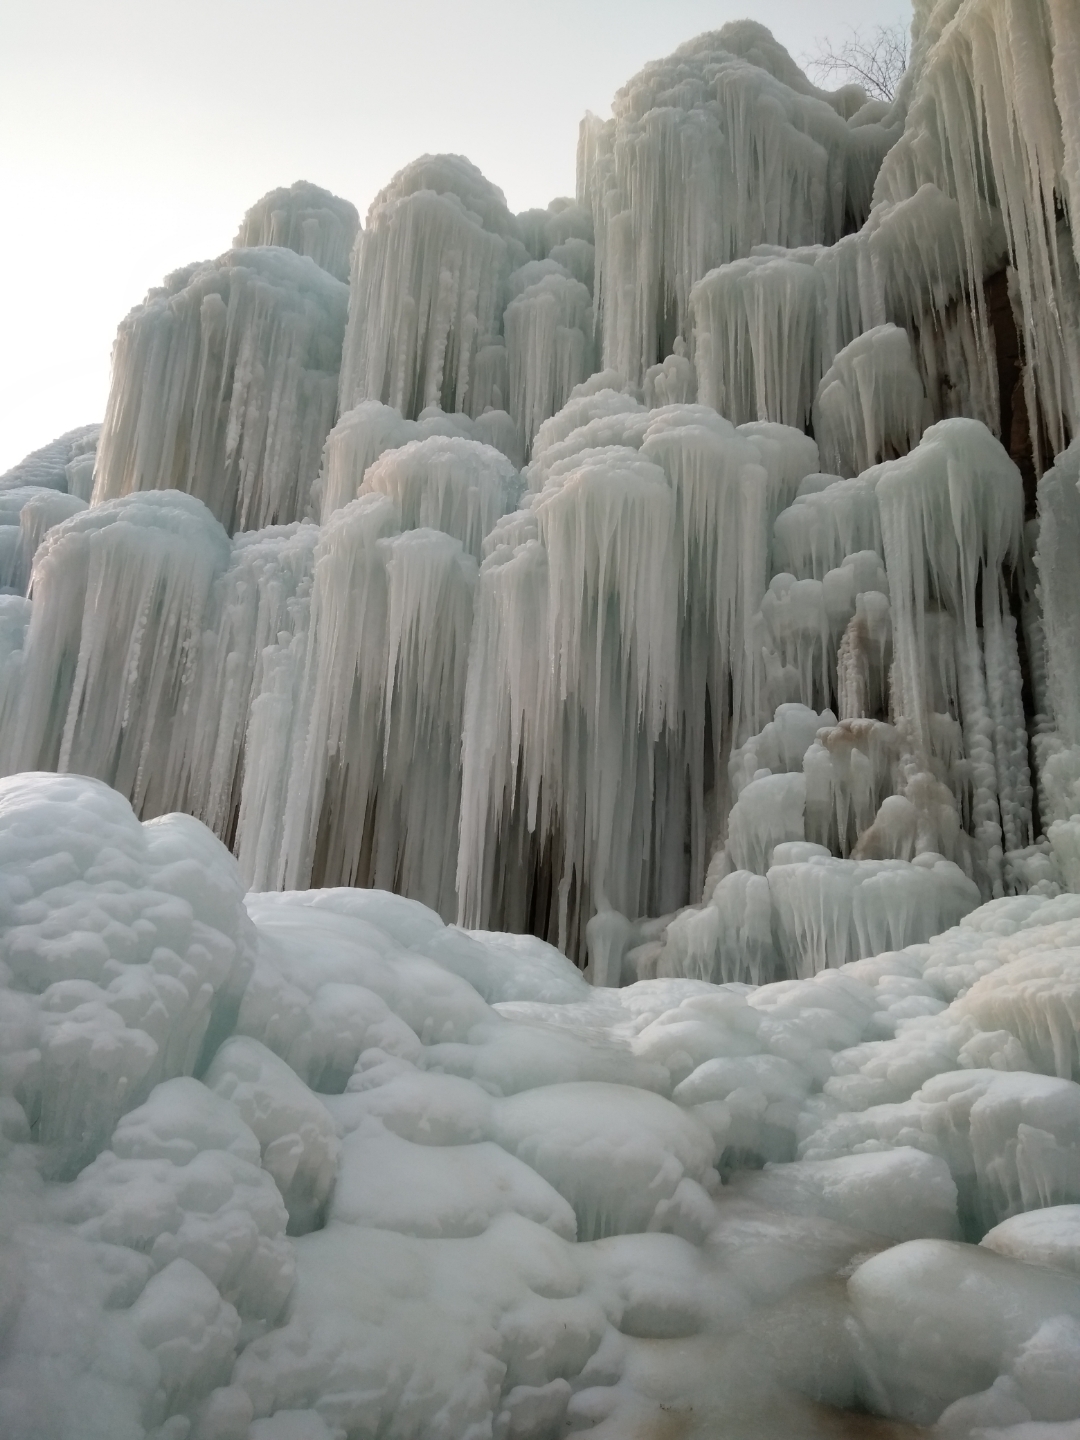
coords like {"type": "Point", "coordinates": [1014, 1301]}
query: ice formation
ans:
{"type": "Point", "coordinates": [225, 386]}
{"type": "Point", "coordinates": [680, 580]}
{"type": "Point", "coordinates": [304, 218]}
{"type": "Point", "coordinates": [317, 1164]}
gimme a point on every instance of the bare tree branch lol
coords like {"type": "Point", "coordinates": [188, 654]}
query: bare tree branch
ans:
{"type": "Point", "coordinates": [875, 59]}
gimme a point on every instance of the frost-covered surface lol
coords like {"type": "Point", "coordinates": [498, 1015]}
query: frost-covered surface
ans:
{"type": "Point", "coordinates": [316, 1164]}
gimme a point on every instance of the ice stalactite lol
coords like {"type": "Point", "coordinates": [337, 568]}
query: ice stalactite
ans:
{"type": "Point", "coordinates": [26, 513]}
{"type": "Point", "coordinates": [549, 344]}
{"type": "Point", "coordinates": [723, 146]}
{"type": "Point", "coordinates": [121, 593]}
{"type": "Point", "coordinates": [225, 386]}
{"type": "Point", "coordinates": [1057, 742]}
{"type": "Point", "coordinates": [15, 614]}
{"type": "Point", "coordinates": [989, 124]}
{"type": "Point", "coordinates": [338, 694]}
{"type": "Point", "coordinates": [37, 517]}
{"type": "Point", "coordinates": [427, 288]}
{"type": "Point", "coordinates": [369, 429]}
{"type": "Point", "coordinates": [261, 603]}
{"type": "Point", "coordinates": [563, 223]}
{"type": "Point", "coordinates": [802, 623]}
{"type": "Point", "coordinates": [828, 519]}
{"type": "Point", "coordinates": [592, 589]}
{"type": "Point", "coordinates": [446, 483]}
{"type": "Point", "coordinates": [674, 498]}
{"type": "Point", "coordinates": [1058, 545]}
{"type": "Point", "coordinates": [870, 405]}
{"type": "Point", "coordinates": [371, 786]}
{"type": "Point", "coordinates": [305, 218]}
{"type": "Point", "coordinates": [950, 510]}
{"type": "Point", "coordinates": [756, 337]}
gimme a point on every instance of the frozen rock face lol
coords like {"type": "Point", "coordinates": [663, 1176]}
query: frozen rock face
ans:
{"type": "Point", "coordinates": [307, 219]}
{"type": "Point", "coordinates": [225, 386]}
{"type": "Point", "coordinates": [318, 1164]}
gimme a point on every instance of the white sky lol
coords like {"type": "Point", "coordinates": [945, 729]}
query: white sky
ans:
{"type": "Point", "coordinates": [135, 133]}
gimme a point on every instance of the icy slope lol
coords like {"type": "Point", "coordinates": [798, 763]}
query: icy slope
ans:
{"type": "Point", "coordinates": [316, 1164]}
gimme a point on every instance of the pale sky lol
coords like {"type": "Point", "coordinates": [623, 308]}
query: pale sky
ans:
{"type": "Point", "coordinates": [135, 133]}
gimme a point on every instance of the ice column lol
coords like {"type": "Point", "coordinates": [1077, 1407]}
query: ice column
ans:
{"type": "Point", "coordinates": [549, 342]}
{"type": "Point", "coordinates": [427, 289]}
{"type": "Point", "coordinates": [374, 717]}
{"type": "Point", "coordinates": [447, 483]}
{"type": "Point", "coordinates": [122, 593]}
{"type": "Point", "coordinates": [721, 147]}
{"type": "Point", "coordinates": [991, 125]}
{"type": "Point", "coordinates": [305, 218]}
{"type": "Point", "coordinates": [261, 603]}
{"type": "Point", "coordinates": [870, 405]}
{"type": "Point", "coordinates": [225, 386]}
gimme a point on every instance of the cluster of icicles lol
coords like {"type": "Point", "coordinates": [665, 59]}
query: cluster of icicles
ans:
{"type": "Point", "coordinates": [505, 575]}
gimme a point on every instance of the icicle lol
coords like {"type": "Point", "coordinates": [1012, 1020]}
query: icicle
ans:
{"type": "Point", "coordinates": [371, 428]}
{"type": "Point", "coordinates": [60, 465]}
{"type": "Point", "coordinates": [374, 717]}
{"type": "Point", "coordinates": [549, 328]}
{"type": "Point", "coordinates": [870, 405]}
{"type": "Point", "coordinates": [427, 282]}
{"type": "Point", "coordinates": [139, 570]}
{"type": "Point", "coordinates": [262, 598]}
{"type": "Point", "coordinates": [448, 484]}
{"type": "Point", "coordinates": [723, 146]}
{"type": "Point", "coordinates": [224, 385]}
{"type": "Point", "coordinates": [26, 513]}
{"type": "Point", "coordinates": [673, 381]}
{"type": "Point", "coordinates": [990, 126]}
{"type": "Point", "coordinates": [757, 346]}
{"type": "Point", "coordinates": [950, 509]}
{"type": "Point", "coordinates": [307, 219]}
{"type": "Point", "coordinates": [340, 694]}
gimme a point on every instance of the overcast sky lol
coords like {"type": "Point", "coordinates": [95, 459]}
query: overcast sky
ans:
{"type": "Point", "coordinates": [134, 134]}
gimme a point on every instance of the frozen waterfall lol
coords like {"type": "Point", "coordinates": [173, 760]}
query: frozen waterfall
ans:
{"type": "Point", "coordinates": [652, 621]}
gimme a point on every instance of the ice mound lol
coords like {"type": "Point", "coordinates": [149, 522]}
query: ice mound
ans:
{"type": "Point", "coordinates": [320, 1164]}
{"type": "Point", "coordinates": [126, 949]}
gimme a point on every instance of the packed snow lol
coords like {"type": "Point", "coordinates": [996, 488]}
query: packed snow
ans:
{"type": "Point", "coordinates": [650, 621]}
